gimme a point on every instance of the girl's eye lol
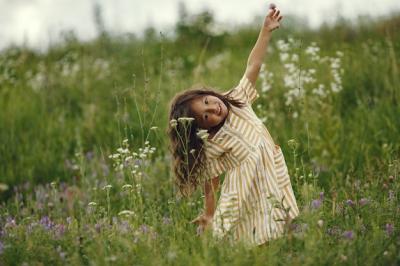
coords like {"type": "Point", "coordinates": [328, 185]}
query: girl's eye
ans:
{"type": "Point", "coordinates": [205, 117]}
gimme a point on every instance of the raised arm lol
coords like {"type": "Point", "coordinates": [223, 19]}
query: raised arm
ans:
{"type": "Point", "coordinates": [257, 54]}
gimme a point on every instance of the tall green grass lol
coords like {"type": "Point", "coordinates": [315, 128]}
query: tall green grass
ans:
{"type": "Point", "coordinates": [64, 112]}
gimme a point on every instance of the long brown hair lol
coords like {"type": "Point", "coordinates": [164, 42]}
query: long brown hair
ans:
{"type": "Point", "coordinates": [188, 162]}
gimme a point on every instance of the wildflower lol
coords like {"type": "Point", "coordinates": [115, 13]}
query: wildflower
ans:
{"type": "Point", "coordinates": [153, 128]}
{"type": "Point", "coordinates": [123, 151]}
{"type": "Point", "coordinates": [192, 151]}
{"type": "Point", "coordinates": [144, 228]}
{"type": "Point", "coordinates": [185, 119]}
{"type": "Point", "coordinates": [59, 230]}
{"type": "Point", "coordinates": [1, 247]}
{"type": "Point", "coordinates": [391, 195]}
{"type": "Point", "coordinates": [292, 143]}
{"type": "Point", "coordinates": [10, 222]}
{"type": "Point", "coordinates": [166, 220]}
{"type": "Point", "coordinates": [46, 222]}
{"type": "Point", "coordinates": [107, 187]}
{"type": "Point", "coordinates": [171, 255]}
{"type": "Point", "coordinates": [203, 134]}
{"type": "Point", "coordinates": [173, 123]}
{"type": "Point", "coordinates": [316, 204]}
{"type": "Point", "coordinates": [332, 231]}
{"type": "Point", "coordinates": [125, 141]}
{"type": "Point", "coordinates": [350, 202]}
{"type": "Point", "coordinates": [348, 234]}
{"type": "Point", "coordinates": [321, 195]}
{"type": "Point", "coordinates": [146, 142]}
{"type": "Point", "coordinates": [389, 228]}
{"type": "Point", "coordinates": [126, 186]}
{"type": "Point", "coordinates": [97, 227]}
{"type": "Point", "coordinates": [126, 213]}
{"type": "Point", "coordinates": [363, 202]}
{"type": "Point", "coordinates": [92, 203]}
{"type": "Point", "coordinates": [320, 223]}
{"type": "Point", "coordinates": [114, 156]}
{"type": "Point", "coordinates": [3, 187]}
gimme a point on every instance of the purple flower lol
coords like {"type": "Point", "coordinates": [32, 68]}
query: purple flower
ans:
{"type": "Point", "coordinates": [144, 228]}
{"type": "Point", "coordinates": [348, 234]}
{"type": "Point", "coordinates": [321, 195]}
{"type": "Point", "coordinates": [316, 204]}
{"type": "Point", "coordinates": [10, 222]}
{"type": "Point", "coordinates": [97, 226]}
{"type": "Point", "coordinates": [59, 230]}
{"type": "Point", "coordinates": [389, 229]}
{"type": "Point", "coordinates": [363, 202]}
{"type": "Point", "coordinates": [46, 222]}
{"type": "Point", "coordinates": [89, 155]}
{"type": "Point", "coordinates": [124, 227]}
{"type": "Point", "coordinates": [1, 247]}
{"type": "Point", "coordinates": [350, 202]}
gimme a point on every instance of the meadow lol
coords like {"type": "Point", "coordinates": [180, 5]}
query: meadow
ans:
{"type": "Point", "coordinates": [85, 171]}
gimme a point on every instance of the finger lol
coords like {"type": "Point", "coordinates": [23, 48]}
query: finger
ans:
{"type": "Point", "coordinates": [280, 17]}
{"type": "Point", "coordinates": [271, 13]}
{"type": "Point", "coordinates": [277, 13]}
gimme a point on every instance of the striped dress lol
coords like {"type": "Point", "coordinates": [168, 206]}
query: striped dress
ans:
{"type": "Point", "coordinates": [256, 195]}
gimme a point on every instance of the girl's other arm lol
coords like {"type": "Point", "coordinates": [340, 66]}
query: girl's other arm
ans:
{"type": "Point", "coordinates": [257, 54]}
{"type": "Point", "coordinates": [210, 191]}
{"type": "Point", "coordinates": [204, 219]}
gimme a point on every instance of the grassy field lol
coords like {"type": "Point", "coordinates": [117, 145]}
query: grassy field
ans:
{"type": "Point", "coordinates": [85, 172]}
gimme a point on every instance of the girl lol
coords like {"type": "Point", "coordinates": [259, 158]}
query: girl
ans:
{"type": "Point", "coordinates": [212, 134]}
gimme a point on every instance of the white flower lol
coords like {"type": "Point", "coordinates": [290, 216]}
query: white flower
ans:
{"type": "Point", "coordinates": [107, 187]}
{"type": "Point", "coordinates": [185, 119]}
{"type": "Point", "coordinates": [203, 134]}
{"type": "Point", "coordinates": [92, 203]}
{"type": "Point", "coordinates": [284, 56]}
{"type": "Point", "coordinates": [153, 128]}
{"type": "Point", "coordinates": [126, 213]}
{"type": "Point", "coordinates": [173, 123]}
{"type": "Point", "coordinates": [126, 186]}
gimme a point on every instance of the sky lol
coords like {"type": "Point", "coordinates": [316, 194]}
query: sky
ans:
{"type": "Point", "coordinates": [38, 23]}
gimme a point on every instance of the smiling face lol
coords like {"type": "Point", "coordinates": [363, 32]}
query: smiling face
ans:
{"type": "Point", "coordinates": [209, 111]}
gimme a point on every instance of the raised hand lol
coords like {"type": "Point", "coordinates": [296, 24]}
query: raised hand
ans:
{"type": "Point", "coordinates": [272, 20]}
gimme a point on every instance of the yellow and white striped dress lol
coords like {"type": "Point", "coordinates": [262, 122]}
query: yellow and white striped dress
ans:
{"type": "Point", "coordinates": [257, 188]}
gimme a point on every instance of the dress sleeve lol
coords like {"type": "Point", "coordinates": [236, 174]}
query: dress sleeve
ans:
{"type": "Point", "coordinates": [244, 91]}
{"type": "Point", "coordinates": [225, 153]}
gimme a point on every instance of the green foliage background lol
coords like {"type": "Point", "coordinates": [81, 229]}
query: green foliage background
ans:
{"type": "Point", "coordinates": [92, 95]}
